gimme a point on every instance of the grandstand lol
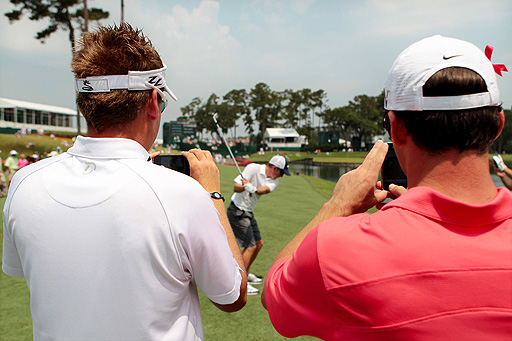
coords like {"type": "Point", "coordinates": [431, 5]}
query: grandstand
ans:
{"type": "Point", "coordinates": [21, 115]}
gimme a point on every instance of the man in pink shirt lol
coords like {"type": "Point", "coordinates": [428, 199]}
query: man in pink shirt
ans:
{"type": "Point", "coordinates": [434, 264]}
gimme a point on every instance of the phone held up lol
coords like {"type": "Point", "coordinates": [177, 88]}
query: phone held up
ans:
{"type": "Point", "coordinates": [392, 173]}
{"type": "Point", "coordinates": [175, 162]}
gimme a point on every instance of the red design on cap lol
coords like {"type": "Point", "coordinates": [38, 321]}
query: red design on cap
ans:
{"type": "Point", "coordinates": [497, 67]}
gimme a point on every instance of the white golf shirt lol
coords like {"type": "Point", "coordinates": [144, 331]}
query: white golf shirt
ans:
{"type": "Point", "coordinates": [112, 246]}
{"type": "Point", "coordinates": [255, 174]}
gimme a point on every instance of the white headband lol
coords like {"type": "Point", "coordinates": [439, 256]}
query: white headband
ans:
{"type": "Point", "coordinates": [134, 80]}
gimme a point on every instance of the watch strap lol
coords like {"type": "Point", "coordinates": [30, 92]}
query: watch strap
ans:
{"type": "Point", "coordinates": [217, 195]}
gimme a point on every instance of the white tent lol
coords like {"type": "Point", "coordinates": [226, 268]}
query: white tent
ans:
{"type": "Point", "coordinates": [15, 114]}
{"type": "Point", "coordinates": [283, 138]}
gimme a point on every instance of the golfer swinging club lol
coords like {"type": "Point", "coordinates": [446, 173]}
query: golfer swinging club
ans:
{"type": "Point", "coordinates": [255, 181]}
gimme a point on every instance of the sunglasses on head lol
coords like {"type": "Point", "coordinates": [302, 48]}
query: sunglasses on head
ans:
{"type": "Point", "coordinates": [161, 93]}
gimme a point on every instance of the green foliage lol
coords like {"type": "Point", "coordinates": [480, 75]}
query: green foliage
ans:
{"type": "Point", "coordinates": [503, 144]}
{"type": "Point", "coordinates": [359, 120]}
{"type": "Point", "coordinates": [61, 14]}
{"type": "Point", "coordinates": [262, 105]}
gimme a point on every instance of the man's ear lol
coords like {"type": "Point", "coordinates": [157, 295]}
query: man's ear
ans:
{"type": "Point", "coordinates": [153, 106]}
{"type": "Point", "coordinates": [398, 129]}
{"type": "Point", "coordinates": [501, 115]}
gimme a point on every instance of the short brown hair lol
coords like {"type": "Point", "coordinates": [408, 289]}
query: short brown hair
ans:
{"type": "Point", "coordinates": [440, 130]}
{"type": "Point", "coordinates": [113, 50]}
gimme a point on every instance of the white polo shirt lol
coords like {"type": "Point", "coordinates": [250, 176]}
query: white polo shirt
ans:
{"type": "Point", "coordinates": [255, 174]}
{"type": "Point", "coordinates": [112, 246]}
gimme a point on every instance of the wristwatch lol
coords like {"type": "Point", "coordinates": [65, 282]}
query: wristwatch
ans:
{"type": "Point", "coordinates": [217, 195]}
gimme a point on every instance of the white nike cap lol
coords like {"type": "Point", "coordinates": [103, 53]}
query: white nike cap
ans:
{"type": "Point", "coordinates": [280, 162]}
{"type": "Point", "coordinates": [134, 80]}
{"type": "Point", "coordinates": [417, 63]}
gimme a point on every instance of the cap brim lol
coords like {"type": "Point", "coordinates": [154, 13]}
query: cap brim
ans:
{"type": "Point", "coordinates": [173, 96]}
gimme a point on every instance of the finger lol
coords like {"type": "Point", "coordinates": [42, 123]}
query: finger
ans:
{"type": "Point", "coordinates": [376, 154]}
{"type": "Point", "coordinates": [191, 158]}
{"type": "Point", "coordinates": [195, 153]}
{"type": "Point", "coordinates": [153, 154]}
{"type": "Point", "coordinates": [380, 195]}
{"type": "Point", "coordinates": [202, 155]}
{"type": "Point", "coordinates": [397, 190]}
{"type": "Point", "coordinates": [208, 155]}
{"type": "Point", "coordinates": [373, 161]}
{"type": "Point", "coordinates": [378, 184]}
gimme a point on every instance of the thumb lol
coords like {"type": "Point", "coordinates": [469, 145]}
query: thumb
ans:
{"type": "Point", "coordinates": [380, 195]}
{"type": "Point", "coordinates": [397, 190]}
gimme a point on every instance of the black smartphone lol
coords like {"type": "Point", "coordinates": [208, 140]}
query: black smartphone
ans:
{"type": "Point", "coordinates": [176, 162]}
{"type": "Point", "coordinates": [392, 173]}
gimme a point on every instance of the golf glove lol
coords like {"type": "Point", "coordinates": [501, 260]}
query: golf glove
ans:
{"type": "Point", "coordinates": [250, 188]}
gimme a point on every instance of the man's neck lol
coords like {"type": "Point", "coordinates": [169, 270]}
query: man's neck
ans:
{"type": "Point", "coordinates": [133, 131]}
{"type": "Point", "coordinates": [462, 176]}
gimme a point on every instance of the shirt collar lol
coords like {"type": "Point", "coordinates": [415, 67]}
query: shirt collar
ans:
{"type": "Point", "coordinates": [435, 205]}
{"type": "Point", "coordinates": [108, 148]}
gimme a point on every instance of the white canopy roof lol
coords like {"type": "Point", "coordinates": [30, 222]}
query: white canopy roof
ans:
{"type": "Point", "coordinates": [281, 132]}
{"type": "Point", "coordinates": [12, 103]}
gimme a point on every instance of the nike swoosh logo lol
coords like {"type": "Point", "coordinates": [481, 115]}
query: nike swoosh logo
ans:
{"type": "Point", "coordinates": [446, 58]}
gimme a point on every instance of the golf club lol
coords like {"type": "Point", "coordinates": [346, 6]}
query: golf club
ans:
{"type": "Point", "coordinates": [219, 131]}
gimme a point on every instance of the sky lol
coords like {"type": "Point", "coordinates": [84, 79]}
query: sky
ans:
{"type": "Point", "coordinates": [342, 47]}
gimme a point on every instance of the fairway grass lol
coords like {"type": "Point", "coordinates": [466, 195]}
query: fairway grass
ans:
{"type": "Point", "coordinates": [280, 216]}
{"type": "Point", "coordinates": [40, 144]}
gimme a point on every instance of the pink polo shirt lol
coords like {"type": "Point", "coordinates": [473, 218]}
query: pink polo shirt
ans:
{"type": "Point", "coordinates": [426, 267]}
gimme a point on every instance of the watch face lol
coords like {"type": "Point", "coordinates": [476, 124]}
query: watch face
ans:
{"type": "Point", "coordinates": [216, 195]}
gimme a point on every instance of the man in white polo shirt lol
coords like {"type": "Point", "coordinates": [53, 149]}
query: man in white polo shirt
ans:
{"type": "Point", "coordinates": [111, 245]}
{"type": "Point", "coordinates": [255, 181]}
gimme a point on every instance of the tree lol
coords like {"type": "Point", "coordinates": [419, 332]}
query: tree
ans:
{"type": "Point", "coordinates": [62, 14]}
{"type": "Point", "coordinates": [317, 99]}
{"type": "Point", "coordinates": [291, 109]}
{"type": "Point", "coordinates": [358, 121]}
{"type": "Point", "coordinates": [204, 115]}
{"type": "Point", "coordinates": [368, 112]}
{"type": "Point", "coordinates": [238, 103]}
{"type": "Point", "coordinates": [189, 111]}
{"type": "Point", "coordinates": [305, 111]}
{"type": "Point", "coordinates": [504, 142]}
{"type": "Point", "coordinates": [260, 103]}
{"type": "Point", "coordinates": [342, 120]}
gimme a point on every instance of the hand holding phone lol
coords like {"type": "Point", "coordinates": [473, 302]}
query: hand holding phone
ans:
{"type": "Point", "coordinates": [175, 162]}
{"type": "Point", "coordinates": [392, 173]}
{"type": "Point", "coordinates": [498, 161]}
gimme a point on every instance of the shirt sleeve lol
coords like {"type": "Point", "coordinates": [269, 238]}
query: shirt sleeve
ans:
{"type": "Point", "coordinates": [238, 179]}
{"type": "Point", "coordinates": [248, 173]}
{"type": "Point", "coordinates": [11, 263]}
{"type": "Point", "coordinates": [297, 300]}
{"type": "Point", "coordinates": [272, 184]}
{"type": "Point", "coordinates": [206, 252]}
